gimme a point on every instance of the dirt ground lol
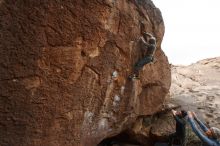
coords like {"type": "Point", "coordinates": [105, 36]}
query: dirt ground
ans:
{"type": "Point", "coordinates": [197, 88]}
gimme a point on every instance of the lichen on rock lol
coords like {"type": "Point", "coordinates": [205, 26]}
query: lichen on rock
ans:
{"type": "Point", "coordinates": [56, 66]}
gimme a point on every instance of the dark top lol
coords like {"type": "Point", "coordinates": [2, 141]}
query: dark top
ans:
{"type": "Point", "coordinates": [148, 49]}
{"type": "Point", "coordinates": [180, 127]}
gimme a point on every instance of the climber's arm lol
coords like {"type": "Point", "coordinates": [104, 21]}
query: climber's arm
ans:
{"type": "Point", "coordinates": [144, 44]}
{"type": "Point", "coordinates": [199, 133]}
{"type": "Point", "coordinates": [177, 118]}
{"type": "Point", "coordinates": [201, 124]}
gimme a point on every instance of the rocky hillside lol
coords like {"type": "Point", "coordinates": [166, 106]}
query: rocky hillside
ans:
{"type": "Point", "coordinates": [64, 69]}
{"type": "Point", "coordinates": [197, 87]}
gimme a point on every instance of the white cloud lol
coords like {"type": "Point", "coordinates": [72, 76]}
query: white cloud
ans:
{"type": "Point", "coordinates": [192, 29]}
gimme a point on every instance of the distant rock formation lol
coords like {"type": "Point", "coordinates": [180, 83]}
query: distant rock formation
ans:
{"type": "Point", "coordinates": [197, 87]}
{"type": "Point", "coordinates": [64, 69]}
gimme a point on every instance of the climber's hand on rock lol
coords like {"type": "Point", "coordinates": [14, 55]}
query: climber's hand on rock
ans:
{"type": "Point", "coordinates": [190, 115]}
{"type": "Point", "coordinates": [174, 112]}
{"type": "Point", "coordinates": [194, 114]}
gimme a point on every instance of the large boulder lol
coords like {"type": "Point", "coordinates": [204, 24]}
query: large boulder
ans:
{"type": "Point", "coordinates": [64, 69]}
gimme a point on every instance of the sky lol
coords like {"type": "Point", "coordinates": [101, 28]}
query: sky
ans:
{"type": "Point", "coordinates": [192, 29]}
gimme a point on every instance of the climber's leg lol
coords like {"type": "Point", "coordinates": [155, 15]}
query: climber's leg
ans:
{"type": "Point", "coordinates": [172, 137]}
{"type": "Point", "coordinates": [183, 141]}
{"type": "Point", "coordinates": [139, 65]}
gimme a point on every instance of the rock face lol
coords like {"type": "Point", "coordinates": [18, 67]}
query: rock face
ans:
{"type": "Point", "coordinates": [64, 68]}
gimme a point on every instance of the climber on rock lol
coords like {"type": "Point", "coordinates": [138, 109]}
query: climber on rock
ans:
{"type": "Point", "coordinates": [148, 47]}
{"type": "Point", "coordinates": [180, 134]}
{"type": "Point", "coordinates": [209, 136]}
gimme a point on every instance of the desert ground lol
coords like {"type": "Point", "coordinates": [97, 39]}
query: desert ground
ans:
{"type": "Point", "coordinates": [197, 88]}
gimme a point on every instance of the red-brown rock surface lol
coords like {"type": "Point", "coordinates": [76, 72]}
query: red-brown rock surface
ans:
{"type": "Point", "coordinates": [56, 64]}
